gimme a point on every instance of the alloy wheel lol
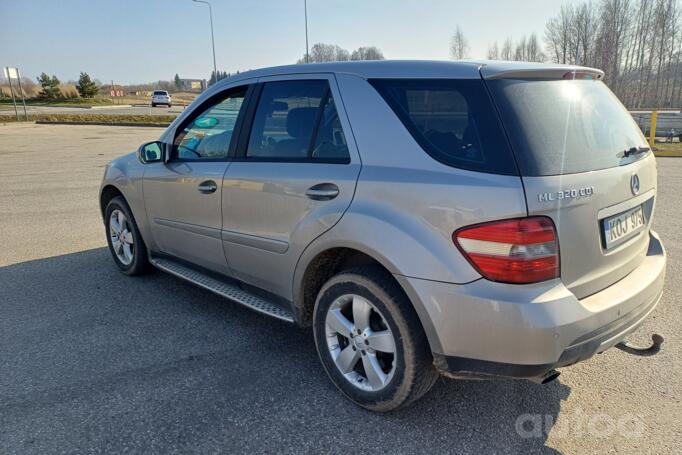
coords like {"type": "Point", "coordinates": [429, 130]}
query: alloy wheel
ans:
{"type": "Point", "coordinates": [360, 342]}
{"type": "Point", "coordinates": [121, 237]}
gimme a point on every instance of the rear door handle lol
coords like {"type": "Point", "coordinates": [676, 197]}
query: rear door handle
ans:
{"type": "Point", "coordinates": [322, 192]}
{"type": "Point", "coordinates": [207, 187]}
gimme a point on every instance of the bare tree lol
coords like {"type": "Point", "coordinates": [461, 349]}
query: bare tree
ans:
{"type": "Point", "coordinates": [534, 49]}
{"type": "Point", "coordinates": [459, 46]}
{"type": "Point", "coordinates": [321, 52]}
{"type": "Point", "coordinates": [507, 53]}
{"type": "Point", "coordinates": [493, 52]}
{"type": "Point", "coordinates": [585, 28]}
{"type": "Point", "coordinates": [615, 19]}
{"type": "Point", "coordinates": [638, 43]}
{"type": "Point", "coordinates": [367, 53]}
{"type": "Point", "coordinates": [559, 35]}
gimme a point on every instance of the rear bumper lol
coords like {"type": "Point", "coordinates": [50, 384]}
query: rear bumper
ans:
{"type": "Point", "coordinates": [485, 329]}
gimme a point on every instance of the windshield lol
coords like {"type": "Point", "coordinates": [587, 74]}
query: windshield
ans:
{"type": "Point", "coordinates": [566, 126]}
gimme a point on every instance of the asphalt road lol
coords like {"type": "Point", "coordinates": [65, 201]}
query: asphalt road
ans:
{"type": "Point", "coordinates": [94, 361]}
{"type": "Point", "coordinates": [8, 110]}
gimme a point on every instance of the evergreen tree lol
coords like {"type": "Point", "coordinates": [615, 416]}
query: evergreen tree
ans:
{"type": "Point", "coordinates": [50, 86]}
{"type": "Point", "coordinates": [86, 87]}
{"type": "Point", "coordinates": [177, 81]}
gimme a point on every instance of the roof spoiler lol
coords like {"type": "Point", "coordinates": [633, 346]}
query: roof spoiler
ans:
{"type": "Point", "coordinates": [540, 72]}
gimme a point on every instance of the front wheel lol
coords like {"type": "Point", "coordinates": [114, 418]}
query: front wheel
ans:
{"type": "Point", "coordinates": [124, 239]}
{"type": "Point", "coordinates": [370, 341]}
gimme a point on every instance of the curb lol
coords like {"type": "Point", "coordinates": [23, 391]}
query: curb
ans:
{"type": "Point", "coordinates": [109, 106]}
{"type": "Point", "coordinates": [148, 125]}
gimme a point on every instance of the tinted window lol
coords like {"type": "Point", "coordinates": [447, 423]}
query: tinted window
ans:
{"type": "Point", "coordinates": [160, 93]}
{"type": "Point", "coordinates": [208, 135]}
{"type": "Point", "coordinates": [565, 126]}
{"type": "Point", "coordinates": [453, 120]}
{"type": "Point", "coordinates": [289, 113]}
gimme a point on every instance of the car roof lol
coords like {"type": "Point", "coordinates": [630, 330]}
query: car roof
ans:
{"type": "Point", "coordinates": [460, 69]}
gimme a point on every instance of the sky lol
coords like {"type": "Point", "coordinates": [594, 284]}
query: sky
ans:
{"type": "Point", "coordinates": [134, 41]}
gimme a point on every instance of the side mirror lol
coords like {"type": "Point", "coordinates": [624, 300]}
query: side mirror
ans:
{"type": "Point", "coordinates": [151, 152]}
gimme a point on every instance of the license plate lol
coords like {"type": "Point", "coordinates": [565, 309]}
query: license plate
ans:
{"type": "Point", "coordinates": [623, 226]}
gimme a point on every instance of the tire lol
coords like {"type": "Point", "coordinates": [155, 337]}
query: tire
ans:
{"type": "Point", "coordinates": [169, 106]}
{"type": "Point", "coordinates": [128, 232]}
{"type": "Point", "coordinates": [408, 372]}
{"type": "Point", "coordinates": [153, 105]}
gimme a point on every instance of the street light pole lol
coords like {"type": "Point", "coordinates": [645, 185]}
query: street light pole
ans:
{"type": "Point", "coordinates": [305, 11]}
{"type": "Point", "coordinates": [210, 14]}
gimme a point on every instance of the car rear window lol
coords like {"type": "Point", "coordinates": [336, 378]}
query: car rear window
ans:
{"type": "Point", "coordinates": [453, 120]}
{"type": "Point", "coordinates": [565, 126]}
{"type": "Point", "coordinates": [160, 93]}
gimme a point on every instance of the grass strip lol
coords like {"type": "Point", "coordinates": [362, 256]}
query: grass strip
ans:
{"type": "Point", "coordinates": [97, 119]}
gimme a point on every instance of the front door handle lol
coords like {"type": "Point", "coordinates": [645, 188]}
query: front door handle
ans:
{"type": "Point", "coordinates": [322, 192]}
{"type": "Point", "coordinates": [207, 187]}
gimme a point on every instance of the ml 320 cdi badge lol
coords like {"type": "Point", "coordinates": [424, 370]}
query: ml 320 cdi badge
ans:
{"type": "Point", "coordinates": [471, 219]}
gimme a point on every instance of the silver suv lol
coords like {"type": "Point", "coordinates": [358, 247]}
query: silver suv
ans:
{"type": "Point", "coordinates": [161, 97]}
{"type": "Point", "coordinates": [472, 219]}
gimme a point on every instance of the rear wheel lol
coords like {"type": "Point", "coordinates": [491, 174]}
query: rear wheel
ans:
{"type": "Point", "coordinates": [125, 241]}
{"type": "Point", "coordinates": [370, 340]}
{"type": "Point", "coordinates": [153, 105]}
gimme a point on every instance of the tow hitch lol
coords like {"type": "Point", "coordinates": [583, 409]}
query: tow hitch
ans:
{"type": "Point", "coordinates": [656, 340]}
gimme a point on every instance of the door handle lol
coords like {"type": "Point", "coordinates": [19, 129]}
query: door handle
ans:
{"type": "Point", "coordinates": [322, 192]}
{"type": "Point", "coordinates": [207, 187]}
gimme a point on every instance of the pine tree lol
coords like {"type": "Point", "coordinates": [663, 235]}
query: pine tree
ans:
{"type": "Point", "coordinates": [50, 87]}
{"type": "Point", "coordinates": [177, 81]}
{"type": "Point", "coordinates": [86, 87]}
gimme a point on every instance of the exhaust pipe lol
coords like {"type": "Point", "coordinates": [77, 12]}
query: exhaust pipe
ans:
{"type": "Point", "coordinates": [545, 378]}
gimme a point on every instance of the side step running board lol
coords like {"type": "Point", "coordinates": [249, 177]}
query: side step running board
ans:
{"type": "Point", "coordinates": [223, 289]}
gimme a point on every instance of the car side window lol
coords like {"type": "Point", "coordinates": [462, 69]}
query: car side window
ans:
{"type": "Point", "coordinates": [207, 136]}
{"type": "Point", "coordinates": [330, 142]}
{"type": "Point", "coordinates": [296, 121]}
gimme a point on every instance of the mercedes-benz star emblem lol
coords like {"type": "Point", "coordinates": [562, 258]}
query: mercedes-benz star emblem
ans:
{"type": "Point", "coordinates": [634, 184]}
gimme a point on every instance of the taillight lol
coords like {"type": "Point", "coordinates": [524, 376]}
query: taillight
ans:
{"type": "Point", "coordinates": [522, 250]}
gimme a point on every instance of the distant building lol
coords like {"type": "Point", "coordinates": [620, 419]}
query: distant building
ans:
{"type": "Point", "coordinates": [193, 85]}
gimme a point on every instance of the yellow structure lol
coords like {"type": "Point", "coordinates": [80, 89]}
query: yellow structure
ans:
{"type": "Point", "coordinates": [652, 130]}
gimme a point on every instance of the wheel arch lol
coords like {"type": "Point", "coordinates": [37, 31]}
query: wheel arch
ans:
{"type": "Point", "coordinates": [318, 265]}
{"type": "Point", "coordinates": [107, 193]}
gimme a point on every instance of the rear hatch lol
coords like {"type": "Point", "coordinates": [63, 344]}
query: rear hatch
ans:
{"type": "Point", "coordinates": [585, 164]}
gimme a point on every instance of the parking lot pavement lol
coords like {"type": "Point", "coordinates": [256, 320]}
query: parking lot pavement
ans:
{"type": "Point", "coordinates": [94, 361]}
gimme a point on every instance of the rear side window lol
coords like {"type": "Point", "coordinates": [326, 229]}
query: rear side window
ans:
{"type": "Point", "coordinates": [453, 120]}
{"type": "Point", "coordinates": [296, 121]}
{"type": "Point", "coordinates": [566, 126]}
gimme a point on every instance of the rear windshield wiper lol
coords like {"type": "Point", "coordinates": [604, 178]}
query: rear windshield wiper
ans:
{"type": "Point", "coordinates": [633, 150]}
